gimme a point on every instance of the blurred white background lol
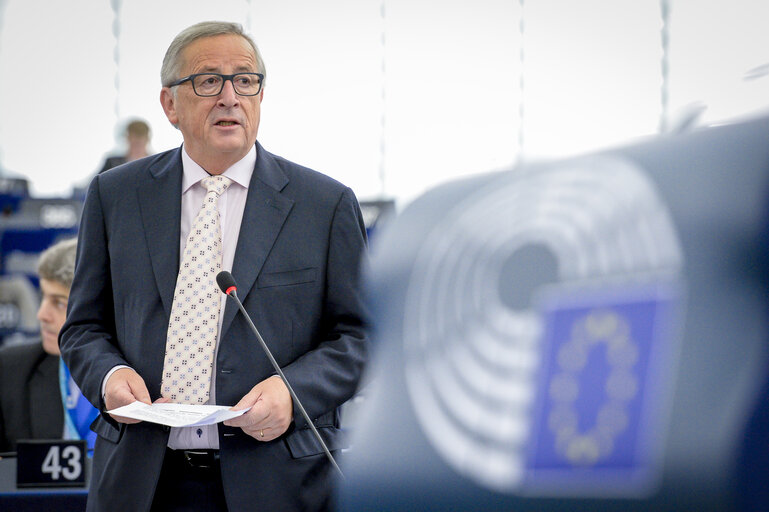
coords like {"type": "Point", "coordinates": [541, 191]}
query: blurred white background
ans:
{"type": "Point", "coordinates": [389, 96]}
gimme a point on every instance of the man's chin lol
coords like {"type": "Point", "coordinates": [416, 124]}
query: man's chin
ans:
{"type": "Point", "coordinates": [50, 343]}
{"type": "Point", "coordinates": [231, 145]}
{"type": "Point", "coordinates": [231, 150]}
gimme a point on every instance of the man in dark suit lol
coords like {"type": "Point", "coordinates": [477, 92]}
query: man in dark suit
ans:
{"type": "Point", "coordinates": [30, 398]}
{"type": "Point", "coordinates": [294, 241]}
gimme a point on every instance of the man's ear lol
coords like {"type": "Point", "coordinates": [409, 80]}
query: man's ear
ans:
{"type": "Point", "coordinates": [168, 102]}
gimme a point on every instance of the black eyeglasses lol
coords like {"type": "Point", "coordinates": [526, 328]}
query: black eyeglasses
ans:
{"type": "Point", "coordinates": [211, 84]}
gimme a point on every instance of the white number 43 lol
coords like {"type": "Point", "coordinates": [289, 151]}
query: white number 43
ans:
{"type": "Point", "coordinates": [70, 455]}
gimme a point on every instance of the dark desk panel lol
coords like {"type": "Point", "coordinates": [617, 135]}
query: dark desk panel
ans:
{"type": "Point", "coordinates": [38, 499]}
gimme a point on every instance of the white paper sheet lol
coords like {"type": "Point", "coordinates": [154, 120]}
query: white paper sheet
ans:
{"type": "Point", "coordinates": [177, 415]}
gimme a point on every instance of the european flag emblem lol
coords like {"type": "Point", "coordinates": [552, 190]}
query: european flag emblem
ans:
{"type": "Point", "coordinates": [601, 399]}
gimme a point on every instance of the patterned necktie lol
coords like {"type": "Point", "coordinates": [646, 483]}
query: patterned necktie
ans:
{"type": "Point", "coordinates": [194, 323]}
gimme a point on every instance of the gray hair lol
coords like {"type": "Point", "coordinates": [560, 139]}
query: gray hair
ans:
{"type": "Point", "coordinates": [57, 263]}
{"type": "Point", "coordinates": [172, 61]}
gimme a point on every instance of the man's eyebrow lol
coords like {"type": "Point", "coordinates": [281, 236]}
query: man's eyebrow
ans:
{"type": "Point", "coordinates": [56, 296]}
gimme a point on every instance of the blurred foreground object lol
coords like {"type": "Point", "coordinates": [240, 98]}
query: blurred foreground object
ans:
{"type": "Point", "coordinates": [587, 334]}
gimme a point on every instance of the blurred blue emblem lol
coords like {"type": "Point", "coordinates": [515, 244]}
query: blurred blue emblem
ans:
{"type": "Point", "coordinates": [598, 417]}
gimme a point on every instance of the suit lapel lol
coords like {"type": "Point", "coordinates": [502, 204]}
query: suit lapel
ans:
{"type": "Point", "coordinates": [160, 204]}
{"type": "Point", "coordinates": [265, 212]}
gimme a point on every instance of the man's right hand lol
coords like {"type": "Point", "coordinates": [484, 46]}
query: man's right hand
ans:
{"type": "Point", "coordinates": [123, 387]}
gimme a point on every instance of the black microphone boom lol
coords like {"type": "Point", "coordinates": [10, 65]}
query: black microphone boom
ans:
{"type": "Point", "coordinates": [227, 284]}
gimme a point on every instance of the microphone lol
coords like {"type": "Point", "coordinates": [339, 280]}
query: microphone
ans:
{"type": "Point", "coordinates": [227, 284]}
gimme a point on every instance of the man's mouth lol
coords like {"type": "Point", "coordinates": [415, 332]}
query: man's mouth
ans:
{"type": "Point", "coordinates": [226, 123]}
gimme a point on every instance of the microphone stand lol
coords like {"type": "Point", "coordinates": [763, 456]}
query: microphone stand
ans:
{"type": "Point", "coordinates": [231, 292]}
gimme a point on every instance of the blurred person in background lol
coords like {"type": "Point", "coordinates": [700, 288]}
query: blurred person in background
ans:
{"type": "Point", "coordinates": [32, 377]}
{"type": "Point", "coordinates": [137, 136]}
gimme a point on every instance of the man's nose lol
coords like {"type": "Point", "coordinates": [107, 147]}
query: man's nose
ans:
{"type": "Point", "coordinates": [42, 312]}
{"type": "Point", "coordinates": [228, 96]}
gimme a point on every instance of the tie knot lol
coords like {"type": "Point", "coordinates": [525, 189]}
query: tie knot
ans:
{"type": "Point", "coordinates": [216, 184]}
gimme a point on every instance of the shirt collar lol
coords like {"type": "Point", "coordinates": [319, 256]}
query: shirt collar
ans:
{"type": "Point", "coordinates": [240, 172]}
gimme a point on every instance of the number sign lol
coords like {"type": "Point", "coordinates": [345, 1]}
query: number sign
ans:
{"type": "Point", "coordinates": [44, 463]}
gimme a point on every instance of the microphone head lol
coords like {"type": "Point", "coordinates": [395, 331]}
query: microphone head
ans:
{"type": "Point", "coordinates": [226, 282]}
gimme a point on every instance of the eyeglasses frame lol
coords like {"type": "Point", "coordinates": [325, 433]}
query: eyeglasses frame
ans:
{"type": "Point", "coordinates": [192, 77]}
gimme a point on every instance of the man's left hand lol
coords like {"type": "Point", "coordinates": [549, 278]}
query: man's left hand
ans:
{"type": "Point", "coordinates": [271, 410]}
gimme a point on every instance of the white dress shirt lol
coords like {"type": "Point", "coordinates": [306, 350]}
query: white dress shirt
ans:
{"type": "Point", "coordinates": [231, 206]}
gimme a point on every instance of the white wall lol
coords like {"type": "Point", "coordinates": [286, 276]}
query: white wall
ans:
{"type": "Point", "coordinates": [439, 99]}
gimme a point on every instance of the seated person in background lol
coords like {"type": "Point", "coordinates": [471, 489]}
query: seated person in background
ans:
{"type": "Point", "coordinates": [137, 134]}
{"type": "Point", "coordinates": [31, 405]}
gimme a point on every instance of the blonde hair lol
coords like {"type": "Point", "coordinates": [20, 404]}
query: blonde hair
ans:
{"type": "Point", "coordinates": [57, 263]}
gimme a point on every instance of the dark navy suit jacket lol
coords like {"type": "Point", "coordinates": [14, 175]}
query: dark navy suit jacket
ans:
{"type": "Point", "coordinates": [30, 399]}
{"type": "Point", "coordinates": [297, 265]}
